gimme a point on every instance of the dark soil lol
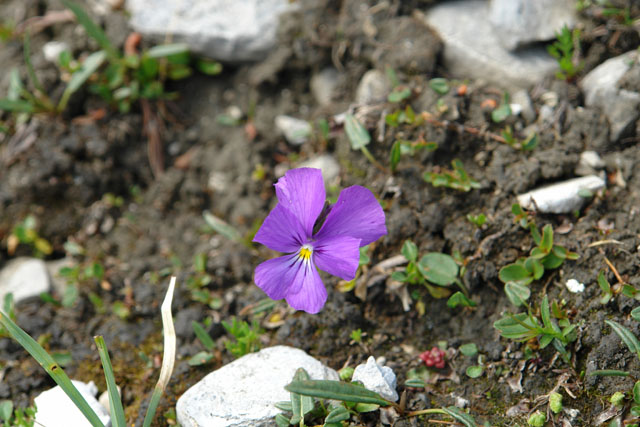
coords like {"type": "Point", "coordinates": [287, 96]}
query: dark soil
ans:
{"type": "Point", "coordinates": [64, 177]}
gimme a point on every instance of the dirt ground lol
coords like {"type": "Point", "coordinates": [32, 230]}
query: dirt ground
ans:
{"type": "Point", "coordinates": [68, 175]}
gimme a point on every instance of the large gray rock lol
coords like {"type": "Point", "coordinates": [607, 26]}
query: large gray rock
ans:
{"type": "Point", "coordinates": [521, 22]}
{"type": "Point", "coordinates": [244, 392]}
{"type": "Point", "coordinates": [228, 30]}
{"type": "Point", "coordinates": [55, 409]}
{"type": "Point", "coordinates": [24, 278]}
{"type": "Point", "coordinates": [473, 50]}
{"type": "Point", "coordinates": [602, 89]}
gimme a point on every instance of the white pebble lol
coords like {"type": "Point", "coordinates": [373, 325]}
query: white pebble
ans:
{"type": "Point", "coordinates": [574, 286]}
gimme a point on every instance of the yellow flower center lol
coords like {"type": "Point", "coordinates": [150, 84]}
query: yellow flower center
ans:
{"type": "Point", "coordinates": [305, 253]}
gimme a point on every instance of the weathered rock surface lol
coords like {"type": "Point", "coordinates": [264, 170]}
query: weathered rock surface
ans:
{"type": "Point", "coordinates": [227, 30]}
{"type": "Point", "coordinates": [473, 50]}
{"type": "Point", "coordinates": [563, 197]}
{"type": "Point", "coordinates": [380, 379]}
{"type": "Point", "coordinates": [243, 393]}
{"type": "Point", "coordinates": [24, 278]}
{"type": "Point", "coordinates": [520, 22]}
{"type": "Point", "coordinates": [602, 89]}
{"type": "Point", "coordinates": [372, 88]}
{"type": "Point", "coordinates": [55, 409]}
{"type": "Point", "coordinates": [296, 131]}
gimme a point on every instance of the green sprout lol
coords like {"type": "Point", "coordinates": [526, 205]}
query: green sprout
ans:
{"type": "Point", "coordinates": [206, 356]}
{"type": "Point", "coordinates": [457, 178]}
{"type": "Point", "coordinates": [25, 232]}
{"type": "Point", "coordinates": [403, 147]}
{"type": "Point", "coordinates": [359, 138]}
{"type": "Point", "coordinates": [247, 337]}
{"type": "Point", "coordinates": [566, 50]}
{"type": "Point", "coordinates": [477, 220]}
{"type": "Point", "coordinates": [526, 144]}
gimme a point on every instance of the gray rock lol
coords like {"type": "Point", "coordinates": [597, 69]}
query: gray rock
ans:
{"type": "Point", "coordinates": [380, 379]}
{"type": "Point", "coordinates": [590, 162]}
{"type": "Point", "coordinates": [24, 278]}
{"type": "Point", "coordinates": [520, 22]}
{"type": "Point", "coordinates": [560, 198]}
{"type": "Point", "coordinates": [243, 393]}
{"type": "Point", "coordinates": [327, 164]}
{"type": "Point", "coordinates": [324, 84]}
{"type": "Point", "coordinates": [373, 87]}
{"type": "Point", "coordinates": [601, 88]}
{"type": "Point", "coordinates": [228, 30]}
{"type": "Point", "coordinates": [473, 50]}
{"type": "Point", "coordinates": [55, 409]}
{"type": "Point", "coordinates": [295, 131]}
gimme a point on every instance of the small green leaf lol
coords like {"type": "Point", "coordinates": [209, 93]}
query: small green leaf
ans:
{"type": "Point", "coordinates": [91, 28]}
{"type": "Point", "coordinates": [438, 268]}
{"type": "Point", "coordinates": [626, 335]}
{"type": "Point", "coordinates": [469, 349]}
{"type": "Point", "coordinates": [459, 298]}
{"type": "Point", "coordinates": [517, 293]}
{"type": "Point", "coordinates": [636, 392]}
{"type": "Point", "coordinates": [326, 389]}
{"type": "Point", "coordinates": [635, 314]}
{"type": "Point", "coordinates": [282, 420]}
{"type": "Point", "coordinates": [219, 226]}
{"type": "Point", "coordinates": [394, 157]}
{"type": "Point", "coordinates": [399, 276]}
{"type": "Point", "coordinates": [284, 405]}
{"type": "Point", "coordinates": [610, 373]}
{"type": "Point", "coordinates": [6, 410]}
{"type": "Point", "coordinates": [399, 94]}
{"type": "Point", "coordinates": [16, 106]}
{"type": "Point", "coordinates": [164, 50]}
{"type": "Point", "coordinates": [203, 336]}
{"type": "Point", "coordinates": [200, 358]}
{"type": "Point", "coordinates": [547, 238]}
{"type": "Point", "coordinates": [474, 371]}
{"type": "Point", "coordinates": [461, 416]}
{"type": "Point", "coordinates": [358, 136]}
{"type": "Point", "coordinates": [208, 67]}
{"type": "Point", "coordinates": [439, 85]}
{"type": "Point", "coordinates": [501, 113]}
{"type": "Point", "coordinates": [410, 250]}
{"type": "Point", "coordinates": [337, 414]}
{"type": "Point", "coordinates": [366, 407]}
{"type": "Point", "coordinates": [415, 382]}
{"type": "Point", "coordinates": [515, 273]}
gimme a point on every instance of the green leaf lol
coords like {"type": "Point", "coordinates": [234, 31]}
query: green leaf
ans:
{"type": "Point", "coordinates": [200, 358]}
{"type": "Point", "coordinates": [358, 136]}
{"type": "Point", "coordinates": [115, 404]}
{"type": "Point", "coordinates": [636, 392]}
{"type": "Point", "coordinates": [51, 367]}
{"type": "Point", "coordinates": [164, 50]}
{"type": "Point", "coordinates": [326, 389]}
{"type": "Point", "coordinates": [221, 227]}
{"type": "Point", "coordinates": [399, 94]}
{"type": "Point", "coordinates": [469, 349]}
{"type": "Point", "coordinates": [626, 335]}
{"type": "Point", "coordinates": [203, 336]}
{"type": "Point", "coordinates": [394, 157]}
{"type": "Point", "coordinates": [399, 276]}
{"type": "Point", "coordinates": [547, 238]}
{"type": "Point", "coordinates": [459, 298]}
{"type": "Point", "coordinates": [300, 405]}
{"type": "Point", "coordinates": [15, 85]}
{"type": "Point", "coordinates": [439, 85]}
{"type": "Point", "coordinates": [89, 66]}
{"type": "Point", "coordinates": [515, 273]}
{"type": "Point", "coordinates": [337, 414]}
{"type": "Point", "coordinates": [552, 261]}
{"type": "Point", "coordinates": [415, 382]}
{"type": "Point", "coordinates": [501, 113]}
{"type": "Point", "coordinates": [364, 256]}
{"type": "Point", "coordinates": [366, 407]}
{"type": "Point", "coordinates": [474, 371]}
{"type": "Point", "coordinates": [545, 314]}
{"type": "Point", "coordinates": [208, 67]}
{"type": "Point", "coordinates": [610, 373]}
{"type": "Point", "coordinates": [518, 327]}
{"type": "Point", "coordinates": [461, 416]}
{"type": "Point", "coordinates": [410, 250]}
{"type": "Point", "coordinates": [92, 29]}
{"type": "Point", "coordinates": [438, 268]}
{"type": "Point", "coordinates": [517, 293]}
{"type": "Point", "coordinates": [284, 405]}
{"type": "Point", "coordinates": [16, 106]}
{"type": "Point", "coordinates": [282, 420]}
{"type": "Point", "coordinates": [6, 410]}
{"type": "Point", "coordinates": [635, 314]}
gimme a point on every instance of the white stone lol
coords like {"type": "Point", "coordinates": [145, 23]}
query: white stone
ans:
{"type": "Point", "coordinates": [295, 131]}
{"type": "Point", "coordinates": [244, 392]}
{"type": "Point", "coordinates": [589, 163]}
{"type": "Point", "coordinates": [327, 164]}
{"type": "Point", "coordinates": [55, 409]}
{"type": "Point", "coordinates": [520, 22]}
{"type": "Point", "coordinates": [601, 89]}
{"type": "Point", "coordinates": [323, 85]}
{"type": "Point", "coordinates": [374, 377]}
{"type": "Point", "coordinates": [522, 99]}
{"type": "Point", "coordinates": [53, 49]}
{"type": "Point", "coordinates": [563, 197]}
{"type": "Point", "coordinates": [24, 278]}
{"type": "Point", "coordinates": [228, 30]}
{"type": "Point", "coordinates": [373, 87]}
{"type": "Point", "coordinates": [473, 50]}
{"type": "Point", "coordinates": [574, 286]}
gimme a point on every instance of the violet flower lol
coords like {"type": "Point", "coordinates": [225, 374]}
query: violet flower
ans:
{"type": "Point", "coordinates": [355, 220]}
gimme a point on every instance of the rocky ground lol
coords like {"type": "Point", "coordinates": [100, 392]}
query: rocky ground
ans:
{"type": "Point", "coordinates": [121, 200]}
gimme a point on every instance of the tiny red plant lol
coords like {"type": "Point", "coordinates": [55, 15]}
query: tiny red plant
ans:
{"type": "Point", "coordinates": [433, 358]}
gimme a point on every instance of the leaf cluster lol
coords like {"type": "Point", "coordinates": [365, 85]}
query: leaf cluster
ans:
{"type": "Point", "coordinates": [403, 147]}
{"type": "Point", "coordinates": [523, 327]}
{"type": "Point", "coordinates": [436, 271]}
{"type": "Point", "coordinates": [26, 233]}
{"type": "Point", "coordinates": [526, 144]}
{"type": "Point", "coordinates": [564, 50]}
{"type": "Point", "coordinates": [18, 417]}
{"type": "Point", "coordinates": [456, 178]}
{"type": "Point", "coordinates": [247, 337]}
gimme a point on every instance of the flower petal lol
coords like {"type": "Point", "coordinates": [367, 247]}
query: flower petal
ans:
{"type": "Point", "coordinates": [358, 214]}
{"type": "Point", "coordinates": [281, 231]}
{"type": "Point", "coordinates": [302, 192]}
{"type": "Point", "coordinates": [312, 295]}
{"type": "Point", "coordinates": [338, 255]}
{"type": "Point", "coordinates": [278, 277]}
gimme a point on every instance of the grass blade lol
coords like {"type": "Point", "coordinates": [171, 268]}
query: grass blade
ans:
{"type": "Point", "coordinates": [51, 367]}
{"type": "Point", "coordinates": [336, 390]}
{"type": "Point", "coordinates": [203, 336]}
{"type": "Point", "coordinates": [90, 65]}
{"type": "Point", "coordinates": [16, 106]}
{"type": "Point", "coordinates": [169, 356]}
{"type": "Point", "coordinates": [115, 404]}
{"type": "Point", "coordinates": [626, 335]}
{"type": "Point", "coordinates": [461, 416]}
{"type": "Point", "coordinates": [91, 28]}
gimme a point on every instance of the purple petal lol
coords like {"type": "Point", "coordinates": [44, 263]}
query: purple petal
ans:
{"type": "Point", "coordinates": [277, 277]}
{"type": "Point", "coordinates": [358, 214]}
{"type": "Point", "coordinates": [281, 231]}
{"type": "Point", "coordinates": [312, 295]}
{"type": "Point", "coordinates": [302, 192]}
{"type": "Point", "coordinates": [338, 255]}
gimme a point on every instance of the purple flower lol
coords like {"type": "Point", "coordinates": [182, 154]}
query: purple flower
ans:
{"type": "Point", "coordinates": [355, 220]}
